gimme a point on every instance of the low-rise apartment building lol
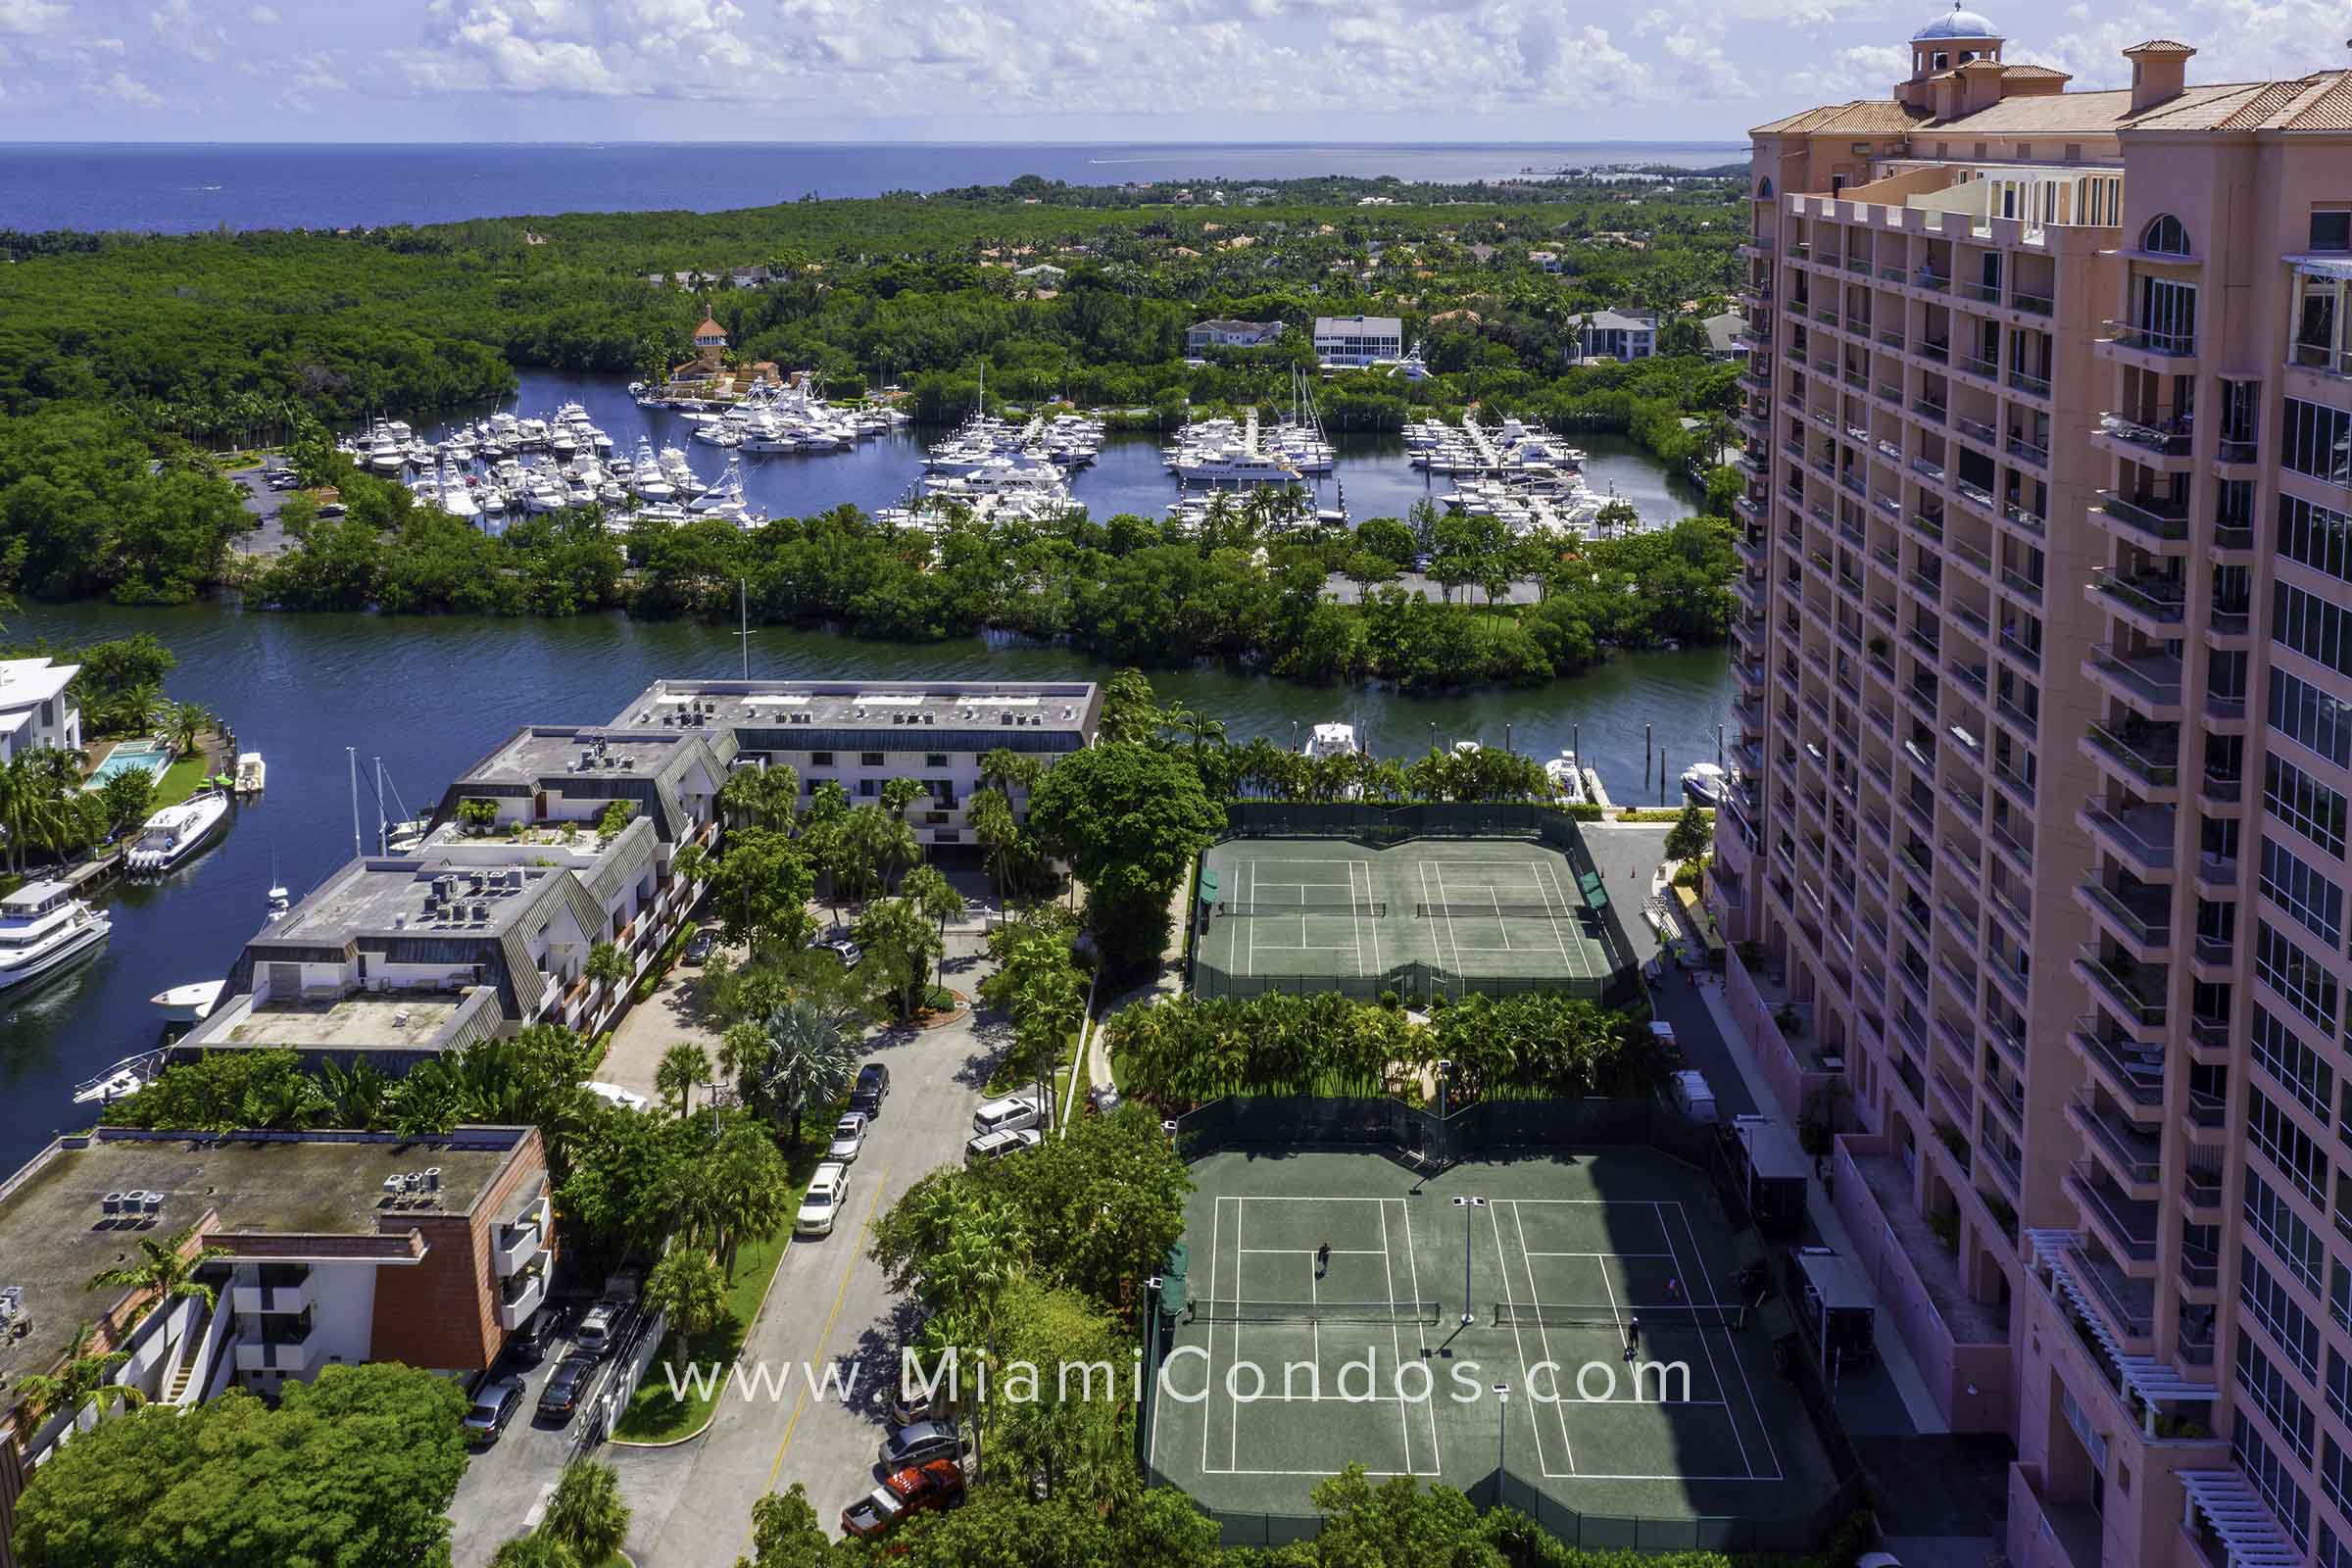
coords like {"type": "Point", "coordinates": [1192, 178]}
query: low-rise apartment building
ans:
{"type": "Point", "coordinates": [342, 1247]}
{"type": "Point", "coordinates": [2036, 839]}
{"type": "Point", "coordinates": [1349, 342]}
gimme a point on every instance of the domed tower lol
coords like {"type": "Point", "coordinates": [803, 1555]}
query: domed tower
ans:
{"type": "Point", "coordinates": [1956, 38]}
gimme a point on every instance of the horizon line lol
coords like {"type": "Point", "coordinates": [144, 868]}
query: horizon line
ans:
{"type": "Point", "coordinates": [625, 141]}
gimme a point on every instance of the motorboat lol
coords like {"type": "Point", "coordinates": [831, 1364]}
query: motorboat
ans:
{"type": "Point", "coordinates": [251, 772]}
{"type": "Point", "coordinates": [192, 1002]}
{"type": "Point", "coordinates": [1567, 778]}
{"type": "Point", "coordinates": [177, 832]}
{"type": "Point", "coordinates": [1331, 740]}
{"type": "Point", "coordinates": [43, 925]}
{"type": "Point", "coordinates": [121, 1079]}
{"type": "Point", "coordinates": [1703, 783]}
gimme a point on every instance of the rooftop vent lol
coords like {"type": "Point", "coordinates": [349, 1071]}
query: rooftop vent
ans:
{"type": "Point", "coordinates": [481, 913]}
{"type": "Point", "coordinates": [400, 923]}
{"type": "Point", "coordinates": [930, 717]}
{"type": "Point", "coordinates": [432, 1178]}
{"type": "Point", "coordinates": [11, 1303]}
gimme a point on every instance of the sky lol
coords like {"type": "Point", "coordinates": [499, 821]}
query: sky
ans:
{"type": "Point", "coordinates": [1065, 70]}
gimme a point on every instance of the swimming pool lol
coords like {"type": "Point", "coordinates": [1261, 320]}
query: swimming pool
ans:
{"type": "Point", "coordinates": [127, 755]}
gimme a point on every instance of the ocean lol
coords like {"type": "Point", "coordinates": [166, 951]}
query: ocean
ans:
{"type": "Point", "coordinates": [180, 188]}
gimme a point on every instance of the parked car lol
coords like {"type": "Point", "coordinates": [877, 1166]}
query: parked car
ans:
{"type": "Point", "coordinates": [849, 952]}
{"type": "Point", "coordinates": [566, 1387]}
{"type": "Point", "coordinates": [1102, 1100]}
{"type": "Point", "coordinates": [906, 1408]}
{"type": "Point", "coordinates": [937, 1484]}
{"type": "Point", "coordinates": [1008, 1116]}
{"type": "Point", "coordinates": [924, 1441]}
{"type": "Point", "coordinates": [849, 1136]}
{"type": "Point", "coordinates": [699, 946]}
{"type": "Point", "coordinates": [604, 1327]}
{"type": "Point", "coordinates": [530, 1342]}
{"type": "Point", "coordinates": [996, 1145]}
{"type": "Point", "coordinates": [872, 1087]}
{"type": "Point", "coordinates": [493, 1407]}
{"type": "Point", "coordinates": [827, 1190]}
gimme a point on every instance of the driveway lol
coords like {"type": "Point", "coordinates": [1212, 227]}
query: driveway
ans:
{"type": "Point", "coordinates": [506, 1485]}
{"type": "Point", "coordinates": [670, 1015]}
{"type": "Point", "coordinates": [267, 536]}
{"type": "Point", "coordinates": [828, 1312]}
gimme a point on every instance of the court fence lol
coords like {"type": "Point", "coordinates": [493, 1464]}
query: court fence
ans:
{"type": "Point", "coordinates": [1387, 826]}
{"type": "Point", "coordinates": [1422, 1139]}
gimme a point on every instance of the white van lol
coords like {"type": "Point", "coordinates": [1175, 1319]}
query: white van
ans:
{"type": "Point", "coordinates": [1008, 1115]}
{"type": "Point", "coordinates": [1691, 1094]}
{"type": "Point", "coordinates": [996, 1145]}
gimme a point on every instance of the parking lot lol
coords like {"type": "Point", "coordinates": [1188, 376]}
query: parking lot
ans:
{"type": "Point", "coordinates": [506, 1484]}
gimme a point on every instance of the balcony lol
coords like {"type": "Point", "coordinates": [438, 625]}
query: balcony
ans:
{"type": "Point", "coordinates": [1977, 430]}
{"type": "Point", "coordinates": [2134, 1158]}
{"type": "Point", "coordinates": [2141, 917]}
{"type": "Point", "coordinates": [2169, 439]}
{"type": "Point", "coordinates": [2161, 599]}
{"type": "Point", "coordinates": [2150, 519]}
{"type": "Point", "coordinates": [2149, 680]}
{"type": "Point", "coordinates": [2027, 382]}
{"type": "Point", "coordinates": [2127, 1225]}
{"type": "Point", "coordinates": [2145, 754]}
{"type": "Point", "coordinates": [514, 1246]}
{"type": "Point", "coordinates": [2032, 304]}
{"type": "Point", "coordinates": [278, 1291]}
{"type": "Point", "coordinates": [2141, 836]}
{"type": "Point", "coordinates": [1932, 412]}
{"type": "Point", "coordinates": [2131, 1071]}
{"type": "Point", "coordinates": [2025, 451]}
{"type": "Point", "coordinates": [2151, 340]}
{"type": "Point", "coordinates": [521, 1296]}
{"type": "Point", "coordinates": [291, 1353]}
{"type": "Point", "coordinates": [2133, 989]}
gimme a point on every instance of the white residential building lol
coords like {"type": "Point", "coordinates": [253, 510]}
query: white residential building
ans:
{"type": "Point", "coordinates": [1352, 341]}
{"type": "Point", "coordinates": [33, 709]}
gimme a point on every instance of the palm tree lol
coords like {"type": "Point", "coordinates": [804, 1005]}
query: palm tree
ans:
{"type": "Point", "coordinates": [164, 1270]}
{"type": "Point", "coordinates": [897, 794]}
{"type": "Point", "coordinates": [995, 830]}
{"type": "Point", "coordinates": [690, 865]}
{"type": "Point", "coordinates": [73, 1385]}
{"type": "Point", "coordinates": [683, 1065]}
{"type": "Point", "coordinates": [687, 1286]}
{"type": "Point", "coordinates": [812, 1056]}
{"type": "Point", "coordinates": [742, 1188]}
{"type": "Point", "coordinates": [186, 724]}
{"type": "Point", "coordinates": [1007, 769]}
{"type": "Point", "coordinates": [928, 889]}
{"type": "Point", "coordinates": [1198, 728]}
{"type": "Point", "coordinates": [606, 966]}
{"type": "Point", "coordinates": [585, 1514]}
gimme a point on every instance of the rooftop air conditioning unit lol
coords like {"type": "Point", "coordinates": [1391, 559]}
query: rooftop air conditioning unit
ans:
{"type": "Point", "coordinates": [481, 913]}
{"type": "Point", "coordinates": [154, 1203]}
{"type": "Point", "coordinates": [110, 1204]}
{"type": "Point", "coordinates": [930, 718]}
{"type": "Point", "coordinates": [432, 1178]}
{"type": "Point", "coordinates": [1007, 719]}
{"type": "Point", "coordinates": [400, 923]}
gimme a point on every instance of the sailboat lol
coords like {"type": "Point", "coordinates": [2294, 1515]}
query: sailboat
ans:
{"type": "Point", "coordinates": [279, 900]}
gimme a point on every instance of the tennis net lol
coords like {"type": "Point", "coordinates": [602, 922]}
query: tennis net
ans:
{"type": "Point", "coordinates": [1208, 1311]}
{"type": "Point", "coordinates": [1493, 910]}
{"type": "Point", "coordinates": [1373, 907]}
{"type": "Point", "coordinates": [1651, 1319]}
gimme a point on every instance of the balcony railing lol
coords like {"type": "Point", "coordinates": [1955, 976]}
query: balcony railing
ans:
{"type": "Point", "coordinates": [2035, 304]}
{"type": "Point", "coordinates": [2153, 677]}
{"type": "Point", "coordinates": [2169, 440]}
{"type": "Point", "coordinates": [2153, 340]}
{"type": "Point", "coordinates": [2158, 520]}
{"type": "Point", "coordinates": [2027, 381]}
{"type": "Point", "coordinates": [2156, 854]}
{"type": "Point", "coordinates": [2136, 1069]}
{"type": "Point", "coordinates": [2126, 1226]}
{"type": "Point", "coordinates": [2118, 980]}
{"type": "Point", "coordinates": [2151, 770]}
{"type": "Point", "coordinates": [2147, 922]}
{"type": "Point", "coordinates": [2160, 598]}
{"type": "Point", "coordinates": [2136, 1154]}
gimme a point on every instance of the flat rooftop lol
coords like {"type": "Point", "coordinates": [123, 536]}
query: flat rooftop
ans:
{"type": "Point", "coordinates": [550, 752]}
{"type": "Point", "coordinates": [882, 705]}
{"type": "Point", "coordinates": [54, 1234]}
{"type": "Point", "coordinates": [381, 897]}
{"type": "Point", "coordinates": [360, 1021]}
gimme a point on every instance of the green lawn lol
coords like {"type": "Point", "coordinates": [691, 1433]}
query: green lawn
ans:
{"type": "Point", "coordinates": [652, 1415]}
{"type": "Point", "coordinates": [181, 780]}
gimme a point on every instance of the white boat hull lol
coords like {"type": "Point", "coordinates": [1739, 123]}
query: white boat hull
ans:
{"type": "Point", "coordinates": [192, 1002]}
{"type": "Point", "coordinates": [83, 938]}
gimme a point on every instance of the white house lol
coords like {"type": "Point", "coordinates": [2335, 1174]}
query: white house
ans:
{"type": "Point", "coordinates": [1224, 333]}
{"type": "Point", "coordinates": [33, 711]}
{"type": "Point", "coordinates": [1612, 335]}
{"type": "Point", "coordinates": [1348, 341]}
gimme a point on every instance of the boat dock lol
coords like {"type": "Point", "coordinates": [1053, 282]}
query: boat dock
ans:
{"type": "Point", "coordinates": [1593, 790]}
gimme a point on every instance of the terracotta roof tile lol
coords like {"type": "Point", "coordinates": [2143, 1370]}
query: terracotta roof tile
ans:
{"type": "Point", "coordinates": [2330, 111]}
{"type": "Point", "coordinates": [2266, 103]}
{"type": "Point", "coordinates": [2160, 46]}
{"type": "Point", "coordinates": [2035, 72]}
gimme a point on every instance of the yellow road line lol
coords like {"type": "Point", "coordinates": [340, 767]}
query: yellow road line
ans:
{"type": "Point", "coordinates": [839, 1298]}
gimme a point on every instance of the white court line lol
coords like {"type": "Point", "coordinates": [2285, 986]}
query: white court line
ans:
{"type": "Point", "coordinates": [1445, 913]}
{"type": "Point", "coordinates": [1542, 1332]}
{"type": "Point", "coordinates": [1413, 1260]}
{"type": "Point", "coordinates": [1233, 1436]}
{"type": "Point", "coordinates": [1532, 1253]}
{"type": "Point", "coordinates": [1737, 1365]}
{"type": "Point", "coordinates": [1367, 868]}
{"type": "Point", "coordinates": [1706, 1344]}
{"type": "Point", "coordinates": [1304, 1197]}
{"type": "Point", "coordinates": [1309, 1251]}
{"type": "Point", "coordinates": [1250, 968]}
{"type": "Point", "coordinates": [1404, 1423]}
{"type": "Point", "coordinates": [1327, 1473]}
{"type": "Point", "coordinates": [1216, 1229]}
{"type": "Point", "coordinates": [1358, 917]}
{"type": "Point", "coordinates": [1495, 898]}
{"type": "Point", "coordinates": [1526, 1378]}
{"type": "Point", "coordinates": [1552, 899]}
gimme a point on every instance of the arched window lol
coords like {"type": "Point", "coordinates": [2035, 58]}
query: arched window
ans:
{"type": "Point", "coordinates": [2164, 237]}
{"type": "Point", "coordinates": [1764, 190]}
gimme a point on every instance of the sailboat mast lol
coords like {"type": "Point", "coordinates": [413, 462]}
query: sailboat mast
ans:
{"type": "Point", "coordinates": [384, 828]}
{"type": "Point", "coordinates": [359, 850]}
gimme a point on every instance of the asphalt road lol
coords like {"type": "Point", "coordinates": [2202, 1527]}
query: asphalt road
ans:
{"type": "Point", "coordinates": [827, 1310]}
{"type": "Point", "coordinates": [506, 1485]}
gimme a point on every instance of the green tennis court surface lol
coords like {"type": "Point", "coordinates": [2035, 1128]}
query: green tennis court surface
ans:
{"type": "Point", "coordinates": [1600, 1286]}
{"type": "Point", "coordinates": [1485, 909]}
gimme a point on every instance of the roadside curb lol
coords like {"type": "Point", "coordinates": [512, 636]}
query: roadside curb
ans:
{"type": "Point", "coordinates": [766, 1291]}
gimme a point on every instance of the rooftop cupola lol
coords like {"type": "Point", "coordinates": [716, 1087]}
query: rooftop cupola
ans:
{"type": "Point", "coordinates": [1958, 38]}
{"type": "Point", "coordinates": [2159, 72]}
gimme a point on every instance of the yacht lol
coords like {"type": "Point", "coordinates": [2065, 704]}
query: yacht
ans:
{"type": "Point", "coordinates": [192, 1002]}
{"type": "Point", "coordinates": [1331, 740]}
{"type": "Point", "coordinates": [43, 925]}
{"type": "Point", "coordinates": [1703, 782]}
{"type": "Point", "coordinates": [1566, 777]}
{"type": "Point", "coordinates": [177, 832]}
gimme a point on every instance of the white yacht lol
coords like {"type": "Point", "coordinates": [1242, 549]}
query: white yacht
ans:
{"type": "Point", "coordinates": [1703, 783]}
{"type": "Point", "coordinates": [1233, 465]}
{"type": "Point", "coordinates": [1331, 740]}
{"type": "Point", "coordinates": [43, 925]}
{"type": "Point", "coordinates": [192, 1002]}
{"type": "Point", "coordinates": [177, 832]}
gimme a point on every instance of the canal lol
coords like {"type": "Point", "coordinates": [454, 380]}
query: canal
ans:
{"type": "Point", "coordinates": [431, 696]}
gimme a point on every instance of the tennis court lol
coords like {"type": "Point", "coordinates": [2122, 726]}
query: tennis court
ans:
{"type": "Point", "coordinates": [1597, 1291]}
{"type": "Point", "coordinates": [1504, 908]}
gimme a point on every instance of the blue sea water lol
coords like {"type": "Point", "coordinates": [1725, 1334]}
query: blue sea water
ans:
{"type": "Point", "coordinates": [184, 188]}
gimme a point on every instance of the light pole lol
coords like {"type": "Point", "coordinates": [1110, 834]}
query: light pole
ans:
{"type": "Point", "coordinates": [1467, 1205]}
{"type": "Point", "coordinates": [1444, 1071]}
{"type": "Point", "coordinates": [1503, 1431]}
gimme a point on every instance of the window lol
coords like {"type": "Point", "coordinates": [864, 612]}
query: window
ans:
{"type": "Point", "coordinates": [2316, 440]}
{"type": "Point", "coordinates": [2316, 903]}
{"type": "Point", "coordinates": [2282, 1231]}
{"type": "Point", "coordinates": [2164, 237]}
{"type": "Point", "coordinates": [2074, 152]}
{"type": "Point", "coordinates": [869, 788]}
{"type": "Point", "coordinates": [2336, 1474]}
{"type": "Point", "coordinates": [2270, 1480]}
{"type": "Point", "coordinates": [2309, 716]}
{"type": "Point", "coordinates": [2287, 1324]}
{"type": "Point", "coordinates": [870, 759]}
{"type": "Point", "coordinates": [2269, 1392]}
{"type": "Point", "coordinates": [2332, 229]}
{"type": "Point", "coordinates": [2286, 1146]}
{"type": "Point", "coordinates": [821, 759]}
{"type": "Point", "coordinates": [2296, 1066]}
{"type": "Point", "coordinates": [2340, 1298]}
{"type": "Point", "coordinates": [1764, 189]}
{"type": "Point", "coordinates": [2314, 627]}
{"type": "Point", "coordinates": [935, 759]}
{"type": "Point", "coordinates": [2339, 1387]}
{"type": "Point", "coordinates": [2316, 536]}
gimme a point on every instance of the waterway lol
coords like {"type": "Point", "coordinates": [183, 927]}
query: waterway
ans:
{"type": "Point", "coordinates": [431, 696]}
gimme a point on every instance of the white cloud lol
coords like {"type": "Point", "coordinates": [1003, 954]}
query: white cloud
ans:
{"type": "Point", "coordinates": [177, 28]}
{"type": "Point", "coordinates": [263, 16]}
{"type": "Point", "coordinates": [126, 89]}
{"type": "Point", "coordinates": [30, 16]}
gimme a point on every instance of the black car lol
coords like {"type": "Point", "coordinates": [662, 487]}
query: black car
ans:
{"type": "Point", "coordinates": [530, 1342]}
{"type": "Point", "coordinates": [566, 1387]}
{"type": "Point", "coordinates": [699, 946]}
{"type": "Point", "coordinates": [873, 1084]}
